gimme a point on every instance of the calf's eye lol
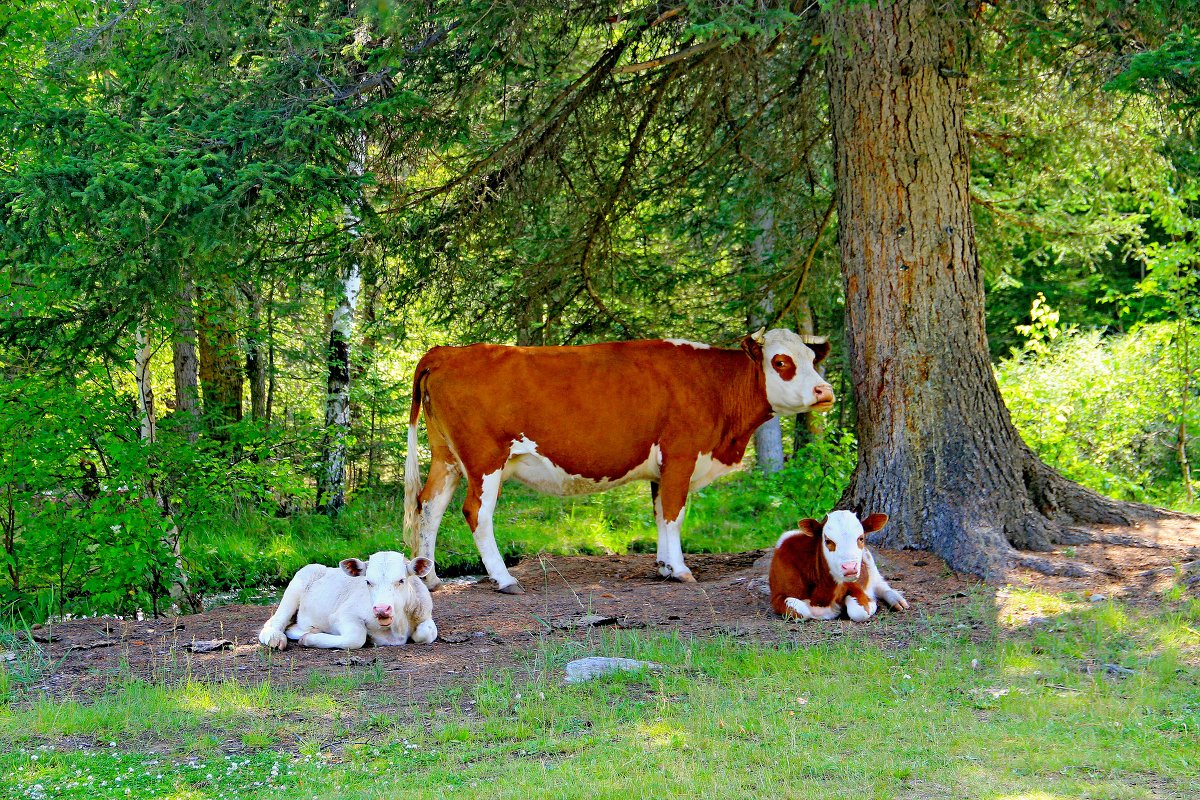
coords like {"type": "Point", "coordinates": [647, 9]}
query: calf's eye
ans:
{"type": "Point", "coordinates": [369, 583]}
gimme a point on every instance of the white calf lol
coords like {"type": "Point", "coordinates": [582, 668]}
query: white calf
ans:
{"type": "Point", "coordinates": [340, 608]}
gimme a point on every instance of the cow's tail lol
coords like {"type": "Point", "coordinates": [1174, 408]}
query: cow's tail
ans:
{"type": "Point", "coordinates": [412, 468]}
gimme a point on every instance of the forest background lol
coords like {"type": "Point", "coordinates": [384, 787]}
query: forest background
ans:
{"type": "Point", "coordinates": [230, 229]}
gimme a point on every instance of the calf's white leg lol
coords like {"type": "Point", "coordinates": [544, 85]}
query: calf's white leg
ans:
{"type": "Point", "coordinates": [347, 635]}
{"type": "Point", "coordinates": [273, 632]}
{"type": "Point", "coordinates": [425, 633]}
{"type": "Point", "coordinates": [804, 610]}
{"type": "Point", "coordinates": [880, 589]}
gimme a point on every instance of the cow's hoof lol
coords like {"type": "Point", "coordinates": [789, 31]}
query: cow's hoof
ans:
{"type": "Point", "coordinates": [512, 588]}
{"type": "Point", "coordinates": [684, 577]}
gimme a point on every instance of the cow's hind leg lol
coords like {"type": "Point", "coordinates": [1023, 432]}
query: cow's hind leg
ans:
{"type": "Point", "coordinates": [670, 501]}
{"type": "Point", "coordinates": [483, 491]}
{"type": "Point", "coordinates": [435, 497]}
{"type": "Point", "coordinates": [349, 635]}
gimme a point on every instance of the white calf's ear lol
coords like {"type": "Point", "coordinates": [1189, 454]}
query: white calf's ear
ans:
{"type": "Point", "coordinates": [874, 522]}
{"type": "Point", "coordinates": [353, 567]}
{"type": "Point", "coordinates": [420, 567]}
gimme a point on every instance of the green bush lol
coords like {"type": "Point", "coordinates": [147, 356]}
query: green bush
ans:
{"type": "Point", "coordinates": [1105, 411]}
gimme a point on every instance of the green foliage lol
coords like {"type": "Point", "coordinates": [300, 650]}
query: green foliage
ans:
{"type": "Point", "coordinates": [1106, 411]}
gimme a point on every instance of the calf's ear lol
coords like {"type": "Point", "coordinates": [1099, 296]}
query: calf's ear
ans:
{"type": "Point", "coordinates": [810, 527]}
{"type": "Point", "coordinates": [420, 567]}
{"type": "Point", "coordinates": [874, 522]}
{"type": "Point", "coordinates": [353, 567]}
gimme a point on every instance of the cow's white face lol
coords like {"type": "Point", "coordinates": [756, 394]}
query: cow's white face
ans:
{"type": "Point", "coordinates": [843, 538]}
{"type": "Point", "coordinates": [793, 383]}
{"type": "Point", "coordinates": [389, 577]}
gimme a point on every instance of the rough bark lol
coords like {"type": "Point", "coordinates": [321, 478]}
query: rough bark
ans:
{"type": "Point", "coordinates": [183, 347]}
{"type": "Point", "coordinates": [221, 377]}
{"type": "Point", "coordinates": [331, 483]}
{"type": "Point", "coordinates": [256, 354]}
{"type": "Point", "coordinates": [768, 439]}
{"type": "Point", "coordinates": [938, 451]}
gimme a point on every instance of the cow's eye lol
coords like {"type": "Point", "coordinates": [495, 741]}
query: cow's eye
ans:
{"type": "Point", "coordinates": [369, 583]}
{"type": "Point", "coordinates": [400, 581]}
{"type": "Point", "coordinates": [860, 541]}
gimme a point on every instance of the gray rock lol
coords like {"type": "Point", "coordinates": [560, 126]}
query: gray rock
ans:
{"type": "Point", "coordinates": [582, 670]}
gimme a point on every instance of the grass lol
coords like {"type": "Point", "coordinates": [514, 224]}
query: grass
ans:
{"type": "Point", "coordinates": [982, 704]}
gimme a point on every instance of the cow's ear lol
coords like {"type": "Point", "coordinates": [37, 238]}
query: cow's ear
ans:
{"type": "Point", "coordinates": [752, 348]}
{"type": "Point", "coordinates": [874, 522]}
{"type": "Point", "coordinates": [810, 527]}
{"type": "Point", "coordinates": [420, 567]}
{"type": "Point", "coordinates": [353, 567]}
{"type": "Point", "coordinates": [820, 351]}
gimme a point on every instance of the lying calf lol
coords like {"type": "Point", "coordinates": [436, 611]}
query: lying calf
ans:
{"type": "Point", "coordinates": [341, 607]}
{"type": "Point", "coordinates": [818, 569]}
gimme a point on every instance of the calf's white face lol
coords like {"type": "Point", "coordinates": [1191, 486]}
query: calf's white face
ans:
{"type": "Point", "coordinates": [388, 577]}
{"type": "Point", "coordinates": [843, 538]}
{"type": "Point", "coordinates": [793, 383]}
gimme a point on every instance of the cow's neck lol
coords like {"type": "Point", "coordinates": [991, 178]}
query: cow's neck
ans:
{"type": "Point", "coordinates": [747, 407]}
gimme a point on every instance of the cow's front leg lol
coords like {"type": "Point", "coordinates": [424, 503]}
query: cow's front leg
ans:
{"type": "Point", "coordinates": [670, 502]}
{"type": "Point", "coordinates": [483, 491]}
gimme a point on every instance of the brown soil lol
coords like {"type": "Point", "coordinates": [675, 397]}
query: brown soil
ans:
{"type": "Point", "coordinates": [482, 630]}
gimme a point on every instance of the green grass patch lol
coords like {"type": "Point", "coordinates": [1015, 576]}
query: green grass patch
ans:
{"type": "Point", "coordinates": [1020, 714]}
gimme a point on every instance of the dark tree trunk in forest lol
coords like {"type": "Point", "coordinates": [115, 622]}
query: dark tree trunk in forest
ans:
{"type": "Point", "coordinates": [256, 354]}
{"type": "Point", "coordinates": [183, 347]}
{"type": "Point", "coordinates": [937, 450]}
{"type": "Point", "coordinates": [221, 376]}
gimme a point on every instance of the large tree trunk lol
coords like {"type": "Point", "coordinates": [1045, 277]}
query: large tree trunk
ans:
{"type": "Point", "coordinates": [221, 376]}
{"type": "Point", "coordinates": [183, 347]}
{"type": "Point", "coordinates": [938, 452]}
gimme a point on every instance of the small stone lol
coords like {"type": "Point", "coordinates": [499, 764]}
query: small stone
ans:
{"type": "Point", "coordinates": [209, 645]}
{"type": "Point", "coordinates": [1097, 598]}
{"type": "Point", "coordinates": [974, 663]}
{"type": "Point", "coordinates": [585, 669]}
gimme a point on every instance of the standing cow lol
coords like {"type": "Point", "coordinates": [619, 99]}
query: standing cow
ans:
{"type": "Point", "coordinates": [578, 420]}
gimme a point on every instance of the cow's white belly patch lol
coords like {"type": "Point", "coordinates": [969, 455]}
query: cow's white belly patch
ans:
{"type": "Point", "coordinates": [708, 469]}
{"type": "Point", "coordinates": [533, 469]}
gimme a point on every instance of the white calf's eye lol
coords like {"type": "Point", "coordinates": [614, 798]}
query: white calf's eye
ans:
{"type": "Point", "coordinates": [370, 584]}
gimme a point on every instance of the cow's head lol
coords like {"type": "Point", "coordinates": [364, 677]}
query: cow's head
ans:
{"type": "Point", "coordinates": [387, 575]}
{"type": "Point", "coordinates": [843, 537]}
{"type": "Point", "coordinates": [793, 383]}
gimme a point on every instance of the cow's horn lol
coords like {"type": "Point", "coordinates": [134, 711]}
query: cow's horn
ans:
{"type": "Point", "coordinates": [759, 335]}
{"type": "Point", "coordinates": [809, 338]}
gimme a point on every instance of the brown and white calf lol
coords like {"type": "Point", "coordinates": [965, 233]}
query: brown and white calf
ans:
{"type": "Point", "coordinates": [578, 420]}
{"type": "Point", "coordinates": [824, 567]}
{"type": "Point", "coordinates": [381, 599]}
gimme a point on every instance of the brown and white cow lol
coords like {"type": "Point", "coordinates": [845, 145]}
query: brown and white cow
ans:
{"type": "Point", "coordinates": [578, 420]}
{"type": "Point", "coordinates": [823, 568]}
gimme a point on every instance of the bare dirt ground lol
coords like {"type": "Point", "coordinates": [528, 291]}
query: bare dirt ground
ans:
{"type": "Point", "coordinates": [482, 630]}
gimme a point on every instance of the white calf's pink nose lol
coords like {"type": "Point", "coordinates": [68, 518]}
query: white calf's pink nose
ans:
{"type": "Point", "coordinates": [382, 610]}
{"type": "Point", "coordinates": [849, 567]}
{"type": "Point", "coordinates": [822, 394]}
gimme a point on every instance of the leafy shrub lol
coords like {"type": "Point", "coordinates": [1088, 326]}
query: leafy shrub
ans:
{"type": "Point", "coordinates": [1105, 411]}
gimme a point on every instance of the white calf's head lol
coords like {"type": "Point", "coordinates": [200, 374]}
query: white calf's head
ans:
{"type": "Point", "coordinates": [790, 365]}
{"type": "Point", "coordinates": [843, 537]}
{"type": "Point", "coordinates": [390, 577]}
